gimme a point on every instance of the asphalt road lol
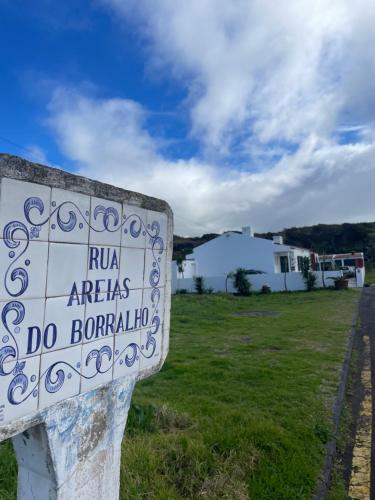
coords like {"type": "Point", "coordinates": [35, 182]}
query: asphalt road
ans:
{"type": "Point", "coordinates": [359, 459]}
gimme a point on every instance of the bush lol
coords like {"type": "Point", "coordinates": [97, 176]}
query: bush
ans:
{"type": "Point", "coordinates": [241, 283]}
{"type": "Point", "coordinates": [265, 289]}
{"type": "Point", "coordinates": [181, 291]}
{"type": "Point", "coordinates": [308, 277]}
{"type": "Point", "coordinates": [199, 284]}
{"type": "Point", "coordinates": [310, 282]}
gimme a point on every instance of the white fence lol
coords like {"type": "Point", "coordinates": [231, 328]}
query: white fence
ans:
{"type": "Point", "coordinates": [277, 281]}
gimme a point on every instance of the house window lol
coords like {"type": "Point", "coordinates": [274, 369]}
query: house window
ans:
{"type": "Point", "coordinates": [284, 264]}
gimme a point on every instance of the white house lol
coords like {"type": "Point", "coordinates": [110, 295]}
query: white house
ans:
{"type": "Point", "coordinates": [232, 250]}
{"type": "Point", "coordinates": [269, 262]}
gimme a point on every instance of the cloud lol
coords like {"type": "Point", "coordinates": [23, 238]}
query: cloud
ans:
{"type": "Point", "coordinates": [281, 102]}
{"type": "Point", "coordinates": [262, 70]}
{"type": "Point", "coordinates": [321, 181]}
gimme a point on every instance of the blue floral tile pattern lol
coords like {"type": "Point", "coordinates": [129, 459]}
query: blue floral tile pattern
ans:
{"type": "Point", "coordinates": [81, 294]}
{"type": "Point", "coordinates": [68, 217]}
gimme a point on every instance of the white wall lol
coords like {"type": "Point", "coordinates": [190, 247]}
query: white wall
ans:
{"type": "Point", "coordinates": [360, 276]}
{"type": "Point", "coordinates": [294, 282]}
{"type": "Point", "coordinates": [228, 252]}
{"type": "Point", "coordinates": [189, 269]}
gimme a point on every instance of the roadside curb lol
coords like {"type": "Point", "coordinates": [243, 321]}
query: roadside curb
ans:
{"type": "Point", "coordinates": [324, 480]}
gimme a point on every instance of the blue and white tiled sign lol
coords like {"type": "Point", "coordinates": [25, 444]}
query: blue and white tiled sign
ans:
{"type": "Point", "coordinates": [82, 293]}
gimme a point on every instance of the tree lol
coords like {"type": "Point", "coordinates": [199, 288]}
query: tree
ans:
{"type": "Point", "coordinates": [241, 283]}
{"type": "Point", "coordinates": [199, 284]}
{"type": "Point", "coordinates": [308, 277]}
{"type": "Point", "coordinates": [180, 265]}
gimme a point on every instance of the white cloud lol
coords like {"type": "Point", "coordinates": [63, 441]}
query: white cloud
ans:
{"type": "Point", "coordinates": [265, 79]}
{"type": "Point", "coordinates": [271, 70]}
{"type": "Point", "coordinates": [321, 182]}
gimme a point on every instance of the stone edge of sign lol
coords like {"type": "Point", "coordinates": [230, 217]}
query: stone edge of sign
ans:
{"type": "Point", "coordinates": [18, 168]}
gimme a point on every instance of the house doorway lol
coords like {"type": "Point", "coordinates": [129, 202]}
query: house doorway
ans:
{"type": "Point", "coordinates": [284, 264]}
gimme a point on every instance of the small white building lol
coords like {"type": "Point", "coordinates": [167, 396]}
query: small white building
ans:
{"type": "Point", "coordinates": [348, 263]}
{"type": "Point", "coordinates": [231, 250]}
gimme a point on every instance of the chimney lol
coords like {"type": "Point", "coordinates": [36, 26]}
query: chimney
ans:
{"type": "Point", "coordinates": [278, 240]}
{"type": "Point", "coordinates": [248, 230]}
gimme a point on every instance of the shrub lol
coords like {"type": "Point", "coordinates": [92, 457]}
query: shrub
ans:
{"type": "Point", "coordinates": [199, 284]}
{"type": "Point", "coordinates": [265, 289]}
{"type": "Point", "coordinates": [310, 282]}
{"type": "Point", "coordinates": [308, 277]}
{"type": "Point", "coordinates": [241, 283]}
{"type": "Point", "coordinates": [340, 282]}
{"type": "Point", "coordinates": [181, 291]}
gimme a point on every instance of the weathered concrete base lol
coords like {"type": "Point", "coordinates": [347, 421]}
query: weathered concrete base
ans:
{"type": "Point", "coordinates": [75, 453]}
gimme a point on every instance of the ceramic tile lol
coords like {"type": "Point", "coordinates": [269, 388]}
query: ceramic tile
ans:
{"type": "Point", "coordinates": [105, 222]}
{"type": "Point", "coordinates": [22, 326]}
{"type": "Point", "coordinates": [67, 264]}
{"type": "Point", "coordinates": [28, 204]}
{"type": "Point", "coordinates": [97, 321]}
{"type": "Point", "coordinates": [97, 363]}
{"type": "Point", "coordinates": [130, 314]}
{"type": "Point", "coordinates": [103, 264]}
{"type": "Point", "coordinates": [63, 324]}
{"type": "Point", "coordinates": [151, 348]}
{"type": "Point", "coordinates": [70, 217]}
{"type": "Point", "coordinates": [132, 263]}
{"type": "Point", "coordinates": [157, 224]}
{"type": "Point", "coordinates": [154, 268]}
{"type": "Point", "coordinates": [23, 269]}
{"type": "Point", "coordinates": [153, 300]}
{"type": "Point", "coordinates": [127, 348]}
{"type": "Point", "coordinates": [16, 400]}
{"type": "Point", "coordinates": [60, 375]}
{"type": "Point", "coordinates": [134, 226]}
{"type": "Point", "coordinates": [100, 319]}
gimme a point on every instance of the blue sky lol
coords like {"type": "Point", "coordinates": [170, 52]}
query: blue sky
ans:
{"type": "Point", "coordinates": [47, 43]}
{"type": "Point", "coordinates": [240, 112]}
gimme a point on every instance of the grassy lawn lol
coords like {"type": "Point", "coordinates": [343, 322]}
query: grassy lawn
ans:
{"type": "Point", "coordinates": [370, 274]}
{"type": "Point", "coordinates": [242, 406]}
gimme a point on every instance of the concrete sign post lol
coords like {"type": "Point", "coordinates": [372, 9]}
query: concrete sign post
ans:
{"type": "Point", "coordinates": [84, 303]}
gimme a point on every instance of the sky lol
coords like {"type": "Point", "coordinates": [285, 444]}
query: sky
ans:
{"type": "Point", "coordinates": [236, 112]}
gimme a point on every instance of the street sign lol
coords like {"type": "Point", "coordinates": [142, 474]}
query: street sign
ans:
{"type": "Point", "coordinates": [84, 289]}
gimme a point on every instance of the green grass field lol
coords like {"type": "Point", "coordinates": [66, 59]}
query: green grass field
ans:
{"type": "Point", "coordinates": [241, 408]}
